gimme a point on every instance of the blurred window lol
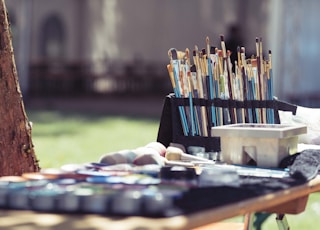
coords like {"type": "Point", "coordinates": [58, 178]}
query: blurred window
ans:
{"type": "Point", "coordinates": [52, 37]}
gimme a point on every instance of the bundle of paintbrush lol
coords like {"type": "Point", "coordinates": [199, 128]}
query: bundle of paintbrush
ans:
{"type": "Point", "coordinates": [226, 90]}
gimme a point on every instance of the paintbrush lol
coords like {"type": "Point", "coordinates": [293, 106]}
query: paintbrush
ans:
{"type": "Point", "coordinates": [258, 78]}
{"type": "Point", "coordinates": [184, 157]}
{"type": "Point", "coordinates": [223, 88]}
{"type": "Point", "coordinates": [195, 93]}
{"type": "Point", "coordinates": [211, 86]}
{"type": "Point", "coordinates": [252, 76]}
{"type": "Point", "coordinates": [201, 93]}
{"type": "Point", "coordinates": [183, 81]}
{"type": "Point", "coordinates": [174, 62]}
{"type": "Point", "coordinates": [215, 81]}
{"type": "Point", "coordinates": [233, 85]}
{"type": "Point", "coordinates": [176, 93]}
{"type": "Point", "coordinates": [229, 83]}
{"type": "Point", "coordinates": [239, 57]}
{"type": "Point", "coordinates": [246, 83]}
{"type": "Point", "coordinates": [190, 96]}
{"type": "Point", "coordinates": [263, 78]}
{"type": "Point", "coordinates": [270, 85]}
{"type": "Point", "coordinates": [239, 92]}
{"type": "Point", "coordinates": [218, 74]}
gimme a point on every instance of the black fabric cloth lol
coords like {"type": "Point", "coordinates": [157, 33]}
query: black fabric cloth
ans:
{"type": "Point", "coordinates": [304, 165]}
{"type": "Point", "coordinates": [197, 199]}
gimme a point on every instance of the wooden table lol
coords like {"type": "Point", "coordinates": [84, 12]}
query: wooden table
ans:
{"type": "Point", "coordinates": [289, 201]}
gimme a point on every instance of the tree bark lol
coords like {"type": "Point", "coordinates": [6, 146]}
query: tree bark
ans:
{"type": "Point", "coordinates": [17, 154]}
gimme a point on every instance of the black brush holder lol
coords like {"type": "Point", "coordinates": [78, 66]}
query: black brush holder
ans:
{"type": "Point", "coordinates": [170, 128]}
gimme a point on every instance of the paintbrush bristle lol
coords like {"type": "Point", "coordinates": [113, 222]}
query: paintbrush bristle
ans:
{"type": "Point", "coordinates": [187, 52]}
{"type": "Point", "coordinates": [212, 50]}
{"type": "Point", "coordinates": [193, 68]}
{"type": "Point", "coordinates": [169, 68]}
{"type": "Point", "coordinates": [194, 53]}
{"type": "Point", "coordinates": [180, 55]}
{"type": "Point", "coordinates": [172, 53]}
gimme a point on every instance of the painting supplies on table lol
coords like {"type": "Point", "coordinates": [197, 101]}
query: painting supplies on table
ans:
{"type": "Point", "coordinates": [150, 190]}
{"type": "Point", "coordinates": [245, 170]}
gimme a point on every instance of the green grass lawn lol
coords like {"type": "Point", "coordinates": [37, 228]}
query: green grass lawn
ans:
{"type": "Point", "coordinates": [61, 138]}
{"type": "Point", "coordinates": [309, 219]}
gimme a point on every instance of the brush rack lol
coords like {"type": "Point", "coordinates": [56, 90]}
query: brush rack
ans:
{"type": "Point", "coordinates": [170, 128]}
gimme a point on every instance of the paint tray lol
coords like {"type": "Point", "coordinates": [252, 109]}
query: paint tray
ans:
{"type": "Point", "coordinates": [263, 145]}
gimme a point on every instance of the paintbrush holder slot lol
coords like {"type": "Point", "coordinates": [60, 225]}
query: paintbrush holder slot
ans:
{"type": "Point", "coordinates": [273, 105]}
{"type": "Point", "coordinates": [171, 130]}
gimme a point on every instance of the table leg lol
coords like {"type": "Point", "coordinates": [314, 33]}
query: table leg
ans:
{"type": "Point", "coordinates": [248, 221]}
{"type": "Point", "coordinates": [282, 222]}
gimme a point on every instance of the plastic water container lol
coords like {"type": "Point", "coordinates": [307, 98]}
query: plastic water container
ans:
{"type": "Point", "coordinates": [263, 145]}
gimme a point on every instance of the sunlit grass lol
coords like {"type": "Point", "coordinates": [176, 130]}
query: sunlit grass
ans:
{"type": "Point", "coordinates": [305, 220]}
{"type": "Point", "coordinates": [62, 138]}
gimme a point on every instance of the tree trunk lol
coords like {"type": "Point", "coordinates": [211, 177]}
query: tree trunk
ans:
{"type": "Point", "coordinates": [16, 149]}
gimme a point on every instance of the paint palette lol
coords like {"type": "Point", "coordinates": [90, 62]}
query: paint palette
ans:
{"type": "Point", "coordinates": [150, 191]}
{"type": "Point", "coordinates": [91, 188]}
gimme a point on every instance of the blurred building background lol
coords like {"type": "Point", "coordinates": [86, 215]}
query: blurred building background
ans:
{"type": "Point", "coordinates": [79, 47]}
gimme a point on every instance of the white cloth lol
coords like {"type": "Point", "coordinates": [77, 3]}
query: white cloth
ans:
{"type": "Point", "coordinates": [307, 116]}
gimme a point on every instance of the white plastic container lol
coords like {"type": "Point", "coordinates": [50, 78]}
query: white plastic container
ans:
{"type": "Point", "coordinates": [264, 144]}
